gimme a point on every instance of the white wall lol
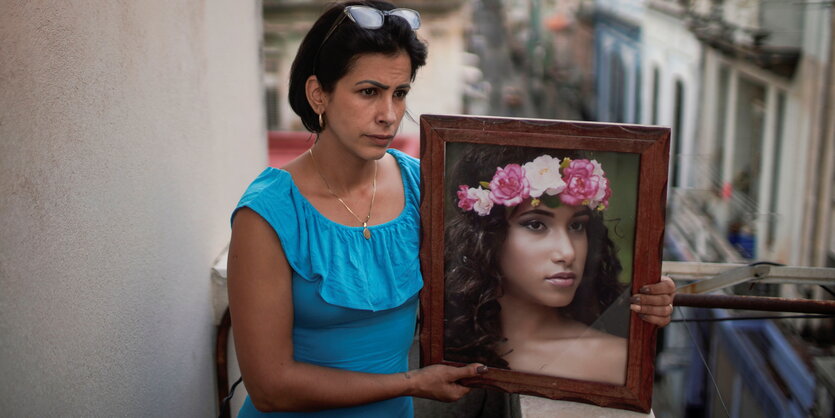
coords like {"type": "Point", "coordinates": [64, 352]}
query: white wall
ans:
{"type": "Point", "coordinates": [671, 48]}
{"type": "Point", "coordinates": [438, 87]}
{"type": "Point", "coordinates": [127, 132]}
{"type": "Point", "coordinates": [632, 10]}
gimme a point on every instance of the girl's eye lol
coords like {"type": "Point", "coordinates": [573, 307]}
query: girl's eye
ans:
{"type": "Point", "coordinates": [577, 226]}
{"type": "Point", "coordinates": [368, 92]}
{"type": "Point", "coordinates": [533, 225]}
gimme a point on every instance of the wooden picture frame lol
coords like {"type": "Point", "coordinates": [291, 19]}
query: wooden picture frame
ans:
{"type": "Point", "coordinates": [638, 154]}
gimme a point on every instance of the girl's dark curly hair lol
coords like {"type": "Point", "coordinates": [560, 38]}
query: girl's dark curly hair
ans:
{"type": "Point", "coordinates": [472, 273]}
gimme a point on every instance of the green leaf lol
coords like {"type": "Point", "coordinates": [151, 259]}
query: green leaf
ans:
{"type": "Point", "coordinates": [550, 201]}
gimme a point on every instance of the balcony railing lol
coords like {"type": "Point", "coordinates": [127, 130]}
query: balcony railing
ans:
{"type": "Point", "coordinates": [767, 33]}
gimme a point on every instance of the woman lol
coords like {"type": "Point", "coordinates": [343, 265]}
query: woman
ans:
{"type": "Point", "coordinates": [539, 268]}
{"type": "Point", "coordinates": [323, 262]}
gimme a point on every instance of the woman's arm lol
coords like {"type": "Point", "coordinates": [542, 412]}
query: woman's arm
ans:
{"type": "Point", "coordinates": [261, 304]}
{"type": "Point", "coordinates": [654, 303]}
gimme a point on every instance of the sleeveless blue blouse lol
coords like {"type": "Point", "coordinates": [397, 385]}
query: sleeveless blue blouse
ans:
{"type": "Point", "coordinates": [354, 300]}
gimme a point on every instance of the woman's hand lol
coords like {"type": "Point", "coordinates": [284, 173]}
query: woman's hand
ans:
{"type": "Point", "coordinates": [654, 303]}
{"type": "Point", "coordinates": [440, 382]}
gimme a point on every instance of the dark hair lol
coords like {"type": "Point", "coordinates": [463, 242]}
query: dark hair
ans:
{"type": "Point", "coordinates": [472, 271]}
{"type": "Point", "coordinates": [347, 42]}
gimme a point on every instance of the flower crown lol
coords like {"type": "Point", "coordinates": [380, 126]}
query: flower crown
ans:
{"type": "Point", "coordinates": [545, 180]}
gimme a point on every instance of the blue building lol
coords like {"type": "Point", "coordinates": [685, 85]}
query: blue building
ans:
{"type": "Point", "coordinates": [617, 45]}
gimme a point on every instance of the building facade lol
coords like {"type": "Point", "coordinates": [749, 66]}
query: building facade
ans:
{"type": "Point", "coordinates": [763, 127]}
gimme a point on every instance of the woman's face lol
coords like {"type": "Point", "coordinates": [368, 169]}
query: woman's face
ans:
{"type": "Point", "coordinates": [544, 254]}
{"type": "Point", "coordinates": [364, 110]}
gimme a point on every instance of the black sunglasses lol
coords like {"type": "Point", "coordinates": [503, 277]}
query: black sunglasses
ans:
{"type": "Point", "coordinates": [368, 18]}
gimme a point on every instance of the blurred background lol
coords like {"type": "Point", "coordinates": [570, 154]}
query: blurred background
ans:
{"type": "Point", "coordinates": [128, 130]}
{"type": "Point", "coordinates": [747, 89]}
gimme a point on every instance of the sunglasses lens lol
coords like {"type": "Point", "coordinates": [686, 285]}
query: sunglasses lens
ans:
{"type": "Point", "coordinates": [409, 15]}
{"type": "Point", "coordinates": [366, 17]}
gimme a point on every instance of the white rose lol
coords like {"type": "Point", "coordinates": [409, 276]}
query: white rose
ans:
{"type": "Point", "coordinates": [543, 174]}
{"type": "Point", "coordinates": [598, 169]}
{"type": "Point", "coordinates": [483, 203]}
{"type": "Point", "coordinates": [601, 192]}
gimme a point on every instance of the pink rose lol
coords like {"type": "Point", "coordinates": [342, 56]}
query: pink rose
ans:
{"type": "Point", "coordinates": [582, 184]}
{"type": "Point", "coordinates": [509, 186]}
{"type": "Point", "coordinates": [464, 200]}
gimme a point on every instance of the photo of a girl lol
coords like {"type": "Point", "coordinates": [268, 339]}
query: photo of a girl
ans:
{"type": "Point", "coordinates": [533, 281]}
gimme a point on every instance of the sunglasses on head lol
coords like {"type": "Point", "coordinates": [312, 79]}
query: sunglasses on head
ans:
{"type": "Point", "coordinates": [368, 17]}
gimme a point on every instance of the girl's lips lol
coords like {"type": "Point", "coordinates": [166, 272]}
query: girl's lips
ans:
{"type": "Point", "coordinates": [561, 279]}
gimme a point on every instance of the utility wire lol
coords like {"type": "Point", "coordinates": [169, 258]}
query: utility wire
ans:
{"type": "Point", "coordinates": [746, 318]}
{"type": "Point", "coordinates": [702, 357]}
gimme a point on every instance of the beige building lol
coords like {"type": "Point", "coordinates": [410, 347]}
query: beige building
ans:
{"type": "Point", "coordinates": [766, 140]}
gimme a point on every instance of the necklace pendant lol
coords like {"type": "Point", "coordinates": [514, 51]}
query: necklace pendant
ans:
{"type": "Point", "coordinates": [366, 232]}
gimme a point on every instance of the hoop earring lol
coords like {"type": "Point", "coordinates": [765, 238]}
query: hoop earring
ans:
{"type": "Point", "coordinates": [321, 122]}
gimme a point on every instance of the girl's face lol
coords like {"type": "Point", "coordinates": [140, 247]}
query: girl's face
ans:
{"type": "Point", "coordinates": [544, 254]}
{"type": "Point", "coordinates": [366, 106]}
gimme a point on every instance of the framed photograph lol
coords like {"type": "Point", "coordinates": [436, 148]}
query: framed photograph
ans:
{"type": "Point", "coordinates": [535, 235]}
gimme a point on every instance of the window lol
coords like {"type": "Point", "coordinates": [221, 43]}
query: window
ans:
{"type": "Point", "coordinates": [750, 117]}
{"type": "Point", "coordinates": [778, 150]}
{"type": "Point", "coordinates": [655, 86]}
{"type": "Point", "coordinates": [718, 153]}
{"type": "Point", "coordinates": [677, 130]}
{"type": "Point", "coordinates": [617, 90]}
{"type": "Point", "coordinates": [636, 118]}
{"type": "Point", "coordinates": [746, 167]}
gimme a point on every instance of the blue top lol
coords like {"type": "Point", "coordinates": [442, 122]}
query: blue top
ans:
{"type": "Point", "coordinates": [354, 300]}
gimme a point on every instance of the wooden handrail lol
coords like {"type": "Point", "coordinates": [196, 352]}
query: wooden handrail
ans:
{"type": "Point", "coordinates": [221, 362]}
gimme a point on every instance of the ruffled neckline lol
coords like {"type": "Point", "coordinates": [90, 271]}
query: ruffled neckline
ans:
{"type": "Point", "coordinates": [407, 194]}
{"type": "Point", "coordinates": [348, 270]}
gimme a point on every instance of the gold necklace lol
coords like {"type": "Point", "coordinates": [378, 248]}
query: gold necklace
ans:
{"type": "Point", "coordinates": [365, 231]}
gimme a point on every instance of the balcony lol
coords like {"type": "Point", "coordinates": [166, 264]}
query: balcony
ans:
{"type": "Point", "coordinates": [766, 33]}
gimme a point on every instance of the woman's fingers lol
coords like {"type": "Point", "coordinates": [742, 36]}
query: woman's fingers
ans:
{"type": "Point", "coordinates": [654, 303]}
{"type": "Point", "coordinates": [455, 390]}
{"type": "Point", "coordinates": [658, 315]}
{"type": "Point", "coordinates": [440, 382]}
{"type": "Point", "coordinates": [651, 300]}
{"type": "Point", "coordinates": [664, 310]}
{"type": "Point", "coordinates": [660, 321]}
{"type": "Point", "coordinates": [471, 370]}
{"type": "Point", "coordinates": [664, 286]}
